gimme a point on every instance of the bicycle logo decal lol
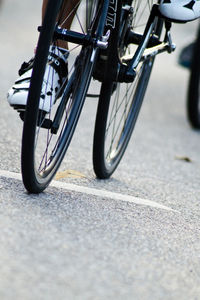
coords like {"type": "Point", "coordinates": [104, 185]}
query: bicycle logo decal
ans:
{"type": "Point", "coordinates": [111, 16]}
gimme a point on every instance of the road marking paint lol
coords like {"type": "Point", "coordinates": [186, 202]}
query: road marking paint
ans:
{"type": "Point", "coordinates": [94, 192]}
{"type": "Point", "coordinates": [110, 195]}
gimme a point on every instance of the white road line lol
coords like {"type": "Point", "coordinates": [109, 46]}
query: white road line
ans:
{"type": "Point", "coordinates": [94, 192]}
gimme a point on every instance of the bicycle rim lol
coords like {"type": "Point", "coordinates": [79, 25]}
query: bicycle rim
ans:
{"type": "Point", "coordinates": [120, 103]}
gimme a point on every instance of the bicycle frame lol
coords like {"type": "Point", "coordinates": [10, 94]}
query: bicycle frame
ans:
{"type": "Point", "coordinates": [100, 41]}
{"type": "Point", "coordinates": [148, 45]}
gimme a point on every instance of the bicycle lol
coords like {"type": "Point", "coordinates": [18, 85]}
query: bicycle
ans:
{"type": "Point", "coordinates": [117, 48]}
{"type": "Point", "coordinates": [193, 93]}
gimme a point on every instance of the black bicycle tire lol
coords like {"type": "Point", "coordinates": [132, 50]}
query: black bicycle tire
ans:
{"type": "Point", "coordinates": [102, 169]}
{"type": "Point", "coordinates": [34, 182]}
{"type": "Point", "coordinates": [193, 93]}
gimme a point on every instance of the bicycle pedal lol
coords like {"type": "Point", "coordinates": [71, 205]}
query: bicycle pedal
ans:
{"type": "Point", "coordinates": [19, 108]}
{"type": "Point", "coordinates": [43, 123]}
{"type": "Point", "coordinates": [126, 75]}
{"type": "Point", "coordinates": [46, 124]}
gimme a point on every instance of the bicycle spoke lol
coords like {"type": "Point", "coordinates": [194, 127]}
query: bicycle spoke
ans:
{"type": "Point", "coordinates": [120, 102]}
{"type": "Point", "coordinates": [119, 118]}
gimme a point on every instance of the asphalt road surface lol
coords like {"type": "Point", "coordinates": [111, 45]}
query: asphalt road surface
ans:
{"type": "Point", "coordinates": [134, 236]}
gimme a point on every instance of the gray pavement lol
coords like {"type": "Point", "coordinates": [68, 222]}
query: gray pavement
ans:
{"type": "Point", "coordinates": [71, 243]}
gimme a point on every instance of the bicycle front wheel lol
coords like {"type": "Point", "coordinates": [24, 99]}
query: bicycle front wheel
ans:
{"type": "Point", "coordinates": [119, 103]}
{"type": "Point", "coordinates": [193, 95]}
{"type": "Point", "coordinates": [46, 136]}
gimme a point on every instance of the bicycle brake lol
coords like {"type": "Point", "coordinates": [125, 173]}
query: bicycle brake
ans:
{"type": "Point", "coordinates": [103, 43]}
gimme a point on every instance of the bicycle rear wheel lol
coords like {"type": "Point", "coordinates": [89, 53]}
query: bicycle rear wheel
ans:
{"type": "Point", "coordinates": [46, 137]}
{"type": "Point", "coordinates": [193, 95]}
{"type": "Point", "coordinates": [119, 103]}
